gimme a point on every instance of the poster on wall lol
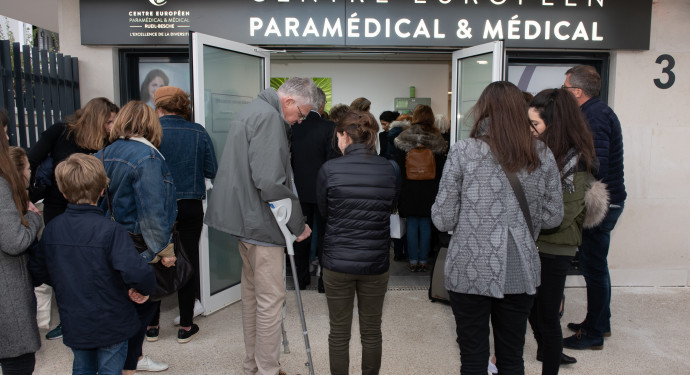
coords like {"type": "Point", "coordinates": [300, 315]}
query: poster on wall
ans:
{"type": "Point", "coordinates": [324, 84]}
{"type": "Point", "coordinates": [153, 75]}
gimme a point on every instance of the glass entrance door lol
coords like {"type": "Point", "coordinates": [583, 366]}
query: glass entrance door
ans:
{"type": "Point", "coordinates": [473, 69]}
{"type": "Point", "coordinates": [226, 75]}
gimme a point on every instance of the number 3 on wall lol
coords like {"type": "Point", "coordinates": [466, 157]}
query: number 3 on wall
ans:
{"type": "Point", "coordinates": [667, 70]}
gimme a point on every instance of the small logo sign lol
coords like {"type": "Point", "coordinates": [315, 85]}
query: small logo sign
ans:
{"type": "Point", "coordinates": [158, 2]}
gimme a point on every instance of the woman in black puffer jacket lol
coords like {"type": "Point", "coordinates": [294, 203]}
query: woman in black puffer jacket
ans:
{"type": "Point", "coordinates": [356, 197]}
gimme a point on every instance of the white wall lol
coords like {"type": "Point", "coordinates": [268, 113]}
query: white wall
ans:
{"type": "Point", "coordinates": [98, 66]}
{"type": "Point", "coordinates": [651, 243]}
{"type": "Point", "coordinates": [378, 81]}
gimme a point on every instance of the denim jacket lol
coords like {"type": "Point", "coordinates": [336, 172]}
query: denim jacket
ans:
{"type": "Point", "coordinates": [189, 154]}
{"type": "Point", "coordinates": [142, 192]}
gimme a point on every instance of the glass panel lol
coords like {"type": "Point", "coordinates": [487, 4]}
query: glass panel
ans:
{"type": "Point", "coordinates": [475, 73]}
{"type": "Point", "coordinates": [231, 80]}
{"type": "Point", "coordinates": [534, 78]}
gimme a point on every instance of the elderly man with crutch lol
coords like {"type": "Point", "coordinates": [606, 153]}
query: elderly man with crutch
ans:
{"type": "Point", "coordinates": [254, 171]}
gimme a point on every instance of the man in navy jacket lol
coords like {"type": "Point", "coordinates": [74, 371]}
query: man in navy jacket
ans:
{"type": "Point", "coordinates": [584, 83]}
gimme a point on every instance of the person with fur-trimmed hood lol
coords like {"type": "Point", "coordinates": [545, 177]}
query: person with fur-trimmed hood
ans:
{"type": "Point", "coordinates": [417, 196]}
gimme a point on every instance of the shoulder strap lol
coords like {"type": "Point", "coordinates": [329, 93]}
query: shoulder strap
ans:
{"type": "Point", "coordinates": [107, 189]}
{"type": "Point", "coordinates": [520, 195]}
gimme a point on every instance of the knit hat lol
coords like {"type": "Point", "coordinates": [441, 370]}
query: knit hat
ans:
{"type": "Point", "coordinates": [167, 92]}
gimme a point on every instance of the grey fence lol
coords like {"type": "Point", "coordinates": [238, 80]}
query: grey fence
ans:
{"type": "Point", "coordinates": [38, 89]}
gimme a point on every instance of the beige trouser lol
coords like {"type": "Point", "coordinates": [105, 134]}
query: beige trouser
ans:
{"type": "Point", "coordinates": [263, 293]}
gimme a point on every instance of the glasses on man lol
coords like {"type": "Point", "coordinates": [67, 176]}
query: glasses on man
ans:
{"type": "Point", "coordinates": [569, 87]}
{"type": "Point", "coordinates": [301, 115]}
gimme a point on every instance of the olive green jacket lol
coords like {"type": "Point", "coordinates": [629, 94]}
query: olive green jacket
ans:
{"type": "Point", "coordinates": [564, 239]}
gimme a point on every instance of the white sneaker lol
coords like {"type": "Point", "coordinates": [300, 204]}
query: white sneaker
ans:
{"type": "Point", "coordinates": [198, 310]}
{"type": "Point", "coordinates": [492, 368]}
{"type": "Point", "coordinates": [148, 364]}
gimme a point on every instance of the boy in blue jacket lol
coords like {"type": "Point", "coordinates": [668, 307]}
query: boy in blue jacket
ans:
{"type": "Point", "coordinates": [95, 269]}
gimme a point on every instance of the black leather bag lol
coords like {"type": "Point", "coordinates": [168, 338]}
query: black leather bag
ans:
{"type": "Point", "coordinates": [168, 279]}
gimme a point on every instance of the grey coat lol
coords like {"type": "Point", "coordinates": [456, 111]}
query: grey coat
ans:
{"type": "Point", "coordinates": [491, 252]}
{"type": "Point", "coordinates": [254, 170]}
{"type": "Point", "coordinates": [17, 300]}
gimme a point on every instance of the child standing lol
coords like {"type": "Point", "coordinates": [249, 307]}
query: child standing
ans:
{"type": "Point", "coordinates": [95, 269]}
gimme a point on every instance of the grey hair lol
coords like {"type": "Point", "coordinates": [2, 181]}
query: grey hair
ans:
{"type": "Point", "coordinates": [586, 78]}
{"type": "Point", "coordinates": [320, 98]}
{"type": "Point", "coordinates": [301, 89]}
{"type": "Point", "coordinates": [441, 123]}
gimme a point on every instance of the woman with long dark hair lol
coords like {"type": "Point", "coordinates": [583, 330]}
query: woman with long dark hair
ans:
{"type": "Point", "coordinates": [492, 267]}
{"type": "Point", "coordinates": [558, 121]}
{"type": "Point", "coordinates": [19, 225]}
{"type": "Point", "coordinates": [356, 197]}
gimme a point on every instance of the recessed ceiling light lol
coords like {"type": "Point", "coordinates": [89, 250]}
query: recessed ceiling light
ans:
{"type": "Point", "coordinates": [482, 62]}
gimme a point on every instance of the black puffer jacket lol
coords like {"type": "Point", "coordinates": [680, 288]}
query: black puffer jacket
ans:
{"type": "Point", "coordinates": [355, 194]}
{"type": "Point", "coordinates": [417, 197]}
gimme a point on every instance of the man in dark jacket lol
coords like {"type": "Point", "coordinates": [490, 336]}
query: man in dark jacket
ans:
{"type": "Point", "coordinates": [584, 83]}
{"type": "Point", "coordinates": [255, 170]}
{"type": "Point", "coordinates": [95, 269]}
{"type": "Point", "coordinates": [312, 145]}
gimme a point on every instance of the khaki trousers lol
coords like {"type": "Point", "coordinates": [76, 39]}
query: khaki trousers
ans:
{"type": "Point", "coordinates": [263, 293]}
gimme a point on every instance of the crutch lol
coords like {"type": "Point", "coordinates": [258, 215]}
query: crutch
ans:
{"type": "Point", "coordinates": [282, 210]}
{"type": "Point", "coordinates": [283, 314]}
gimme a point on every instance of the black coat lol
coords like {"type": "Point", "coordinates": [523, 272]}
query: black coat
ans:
{"type": "Point", "coordinates": [312, 144]}
{"type": "Point", "coordinates": [355, 196]}
{"type": "Point", "coordinates": [54, 143]}
{"type": "Point", "coordinates": [417, 197]}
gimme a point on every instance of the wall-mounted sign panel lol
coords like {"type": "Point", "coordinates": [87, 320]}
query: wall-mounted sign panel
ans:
{"type": "Point", "coordinates": [562, 24]}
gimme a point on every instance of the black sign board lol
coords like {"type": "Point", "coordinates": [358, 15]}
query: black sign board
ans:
{"type": "Point", "coordinates": [562, 24]}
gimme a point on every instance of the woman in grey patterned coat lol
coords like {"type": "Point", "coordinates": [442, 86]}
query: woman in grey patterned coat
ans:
{"type": "Point", "coordinates": [492, 268]}
{"type": "Point", "coordinates": [19, 225]}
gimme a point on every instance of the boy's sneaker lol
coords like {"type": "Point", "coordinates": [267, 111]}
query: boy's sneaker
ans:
{"type": "Point", "coordinates": [152, 335]}
{"type": "Point", "coordinates": [148, 364]}
{"type": "Point", "coordinates": [186, 336]}
{"type": "Point", "coordinates": [56, 333]}
{"type": "Point", "coordinates": [198, 310]}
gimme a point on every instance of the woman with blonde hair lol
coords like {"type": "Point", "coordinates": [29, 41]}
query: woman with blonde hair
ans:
{"type": "Point", "coordinates": [85, 132]}
{"type": "Point", "coordinates": [19, 225]}
{"type": "Point", "coordinates": [360, 104]}
{"type": "Point", "coordinates": [142, 199]}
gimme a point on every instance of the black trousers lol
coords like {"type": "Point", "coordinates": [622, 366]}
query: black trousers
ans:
{"type": "Point", "coordinates": [545, 319]}
{"type": "Point", "coordinates": [190, 221]}
{"type": "Point", "coordinates": [509, 320]}
{"type": "Point", "coordinates": [303, 249]}
{"type": "Point", "coordinates": [145, 311]}
{"type": "Point", "coordinates": [21, 365]}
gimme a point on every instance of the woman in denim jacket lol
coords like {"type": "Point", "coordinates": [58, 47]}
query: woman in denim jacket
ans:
{"type": "Point", "coordinates": [190, 155]}
{"type": "Point", "coordinates": [142, 195]}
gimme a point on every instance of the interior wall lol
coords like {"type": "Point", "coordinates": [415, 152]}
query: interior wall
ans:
{"type": "Point", "coordinates": [378, 81]}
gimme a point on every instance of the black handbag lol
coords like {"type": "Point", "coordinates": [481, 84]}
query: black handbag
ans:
{"type": "Point", "coordinates": [168, 279]}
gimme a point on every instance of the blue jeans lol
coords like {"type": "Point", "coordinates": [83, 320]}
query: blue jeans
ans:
{"type": "Point", "coordinates": [595, 268]}
{"type": "Point", "coordinates": [107, 360]}
{"type": "Point", "coordinates": [418, 238]}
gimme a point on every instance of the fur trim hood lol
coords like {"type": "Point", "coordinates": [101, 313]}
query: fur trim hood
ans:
{"type": "Point", "coordinates": [400, 124]}
{"type": "Point", "coordinates": [596, 204]}
{"type": "Point", "coordinates": [415, 136]}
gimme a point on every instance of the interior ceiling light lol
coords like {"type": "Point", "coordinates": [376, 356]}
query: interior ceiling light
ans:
{"type": "Point", "coordinates": [482, 62]}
